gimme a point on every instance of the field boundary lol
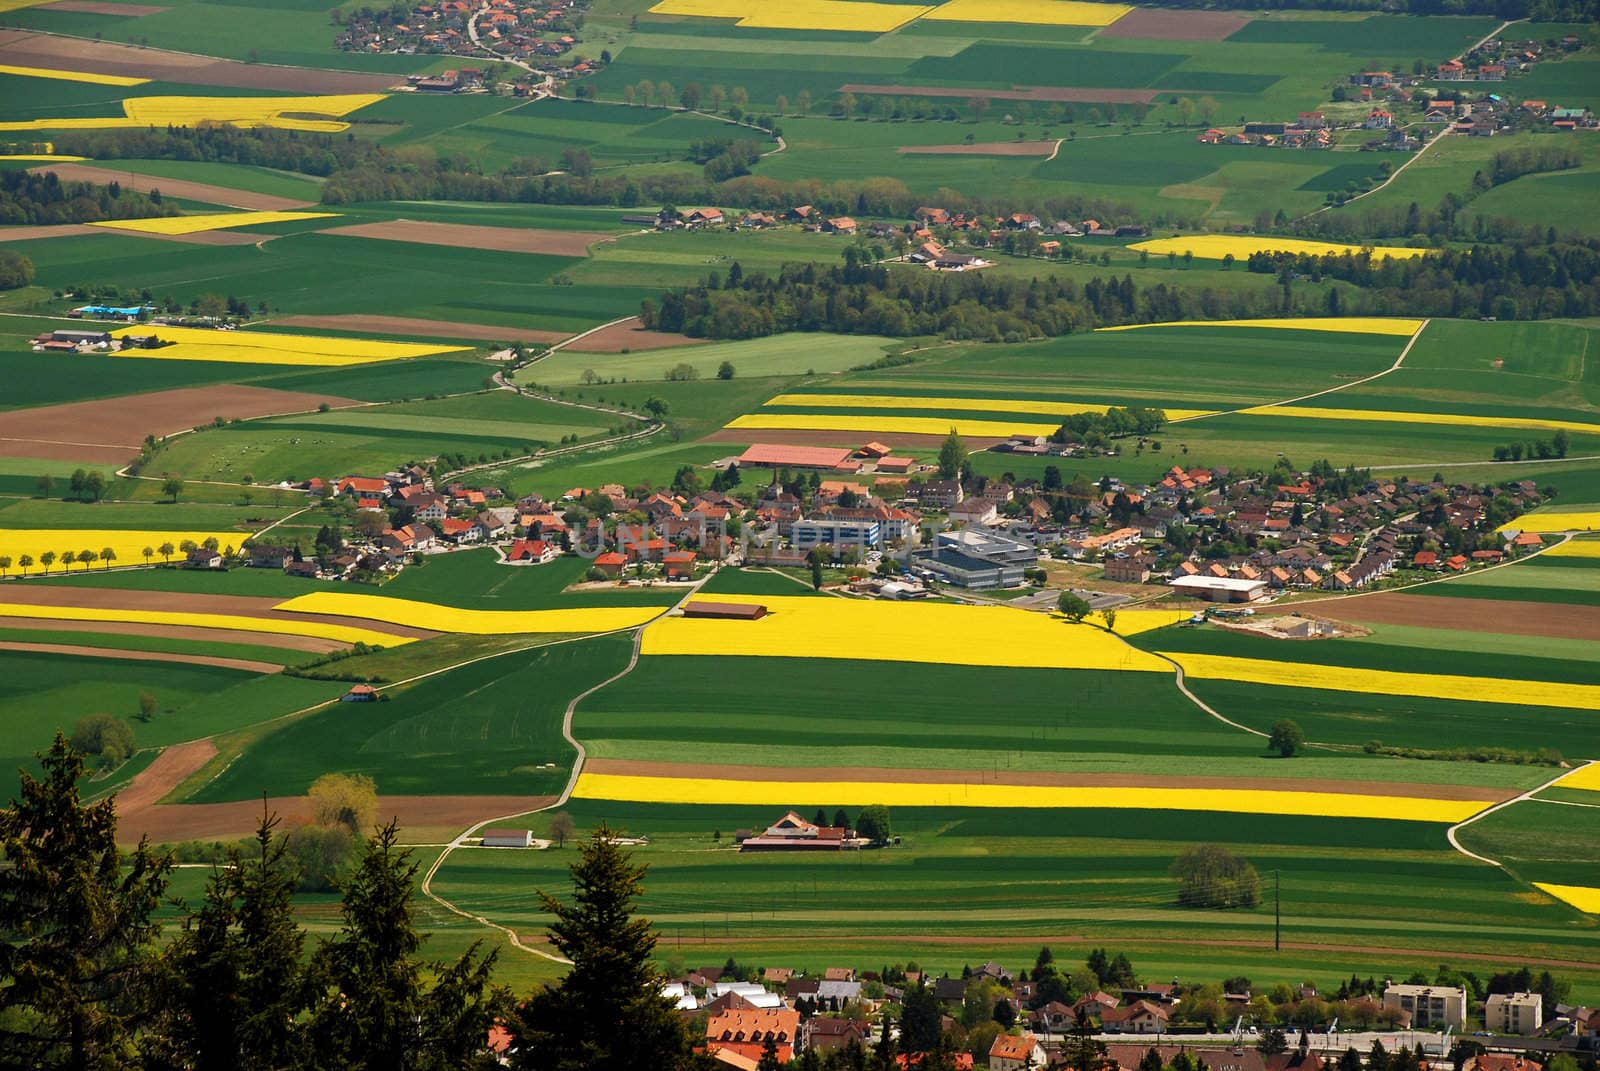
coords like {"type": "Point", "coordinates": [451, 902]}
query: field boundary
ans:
{"type": "Point", "coordinates": [1450, 834]}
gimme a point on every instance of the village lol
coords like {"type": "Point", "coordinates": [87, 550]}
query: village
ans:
{"type": "Point", "coordinates": [502, 29]}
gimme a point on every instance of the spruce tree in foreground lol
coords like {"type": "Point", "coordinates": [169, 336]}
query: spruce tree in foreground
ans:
{"type": "Point", "coordinates": [76, 974]}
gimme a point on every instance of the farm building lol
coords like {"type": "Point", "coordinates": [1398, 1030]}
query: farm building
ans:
{"type": "Point", "coordinates": [507, 838]}
{"type": "Point", "coordinates": [360, 693]}
{"type": "Point", "coordinates": [1221, 588]}
{"type": "Point", "coordinates": [791, 833]}
{"type": "Point", "coordinates": [725, 611]}
{"type": "Point", "coordinates": [771, 455]}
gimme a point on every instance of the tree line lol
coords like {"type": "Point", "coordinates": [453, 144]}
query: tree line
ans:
{"type": "Point", "coordinates": [44, 199]}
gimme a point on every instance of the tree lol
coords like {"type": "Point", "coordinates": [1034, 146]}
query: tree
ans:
{"type": "Point", "coordinates": [348, 800]}
{"type": "Point", "coordinates": [1075, 607]}
{"type": "Point", "coordinates": [1273, 1042]}
{"type": "Point", "coordinates": [921, 1026]}
{"type": "Point", "coordinates": [951, 454]}
{"type": "Point", "coordinates": [816, 573]}
{"type": "Point", "coordinates": [561, 827]}
{"type": "Point", "coordinates": [148, 706]}
{"type": "Point", "coordinates": [1004, 1013]}
{"type": "Point", "coordinates": [725, 371]}
{"type": "Point", "coordinates": [607, 1014]}
{"type": "Point", "coordinates": [47, 559]}
{"type": "Point", "coordinates": [172, 487]}
{"type": "Point", "coordinates": [374, 1011]}
{"type": "Point", "coordinates": [88, 557]}
{"type": "Point", "coordinates": [45, 483]}
{"type": "Point", "coordinates": [25, 563]}
{"type": "Point", "coordinates": [1286, 738]}
{"type": "Point", "coordinates": [1211, 876]}
{"type": "Point", "coordinates": [105, 736]}
{"type": "Point", "coordinates": [166, 550]}
{"type": "Point", "coordinates": [108, 555]}
{"type": "Point", "coordinates": [1109, 616]}
{"type": "Point", "coordinates": [149, 552]}
{"type": "Point", "coordinates": [1081, 1050]}
{"type": "Point", "coordinates": [76, 966]}
{"type": "Point", "coordinates": [873, 823]}
{"type": "Point", "coordinates": [5, 563]}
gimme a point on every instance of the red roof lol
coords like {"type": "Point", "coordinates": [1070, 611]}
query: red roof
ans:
{"type": "Point", "coordinates": [610, 557]}
{"type": "Point", "coordinates": [813, 457]}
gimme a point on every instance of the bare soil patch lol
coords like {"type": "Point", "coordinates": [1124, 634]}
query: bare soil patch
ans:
{"type": "Point", "coordinates": [467, 236]}
{"type": "Point", "coordinates": [246, 664]}
{"type": "Point", "coordinates": [1160, 24]}
{"type": "Point", "coordinates": [1509, 616]}
{"type": "Point", "coordinates": [169, 187]}
{"type": "Point", "coordinates": [209, 237]}
{"type": "Point", "coordinates": [1046, 94]}
{"type": "Point", "coordinates": [798, 437]}
{"type": "Point", "coordinates": [95, 7]}
{"type": "Point", "coordinates": [33, 49]}
{"type": "Point", "coordinates": [982, 148]}
{"type": "Point", "coordinates": [630, 334]}
{"type": "Point", "coordinates": [163, 775]}
{"type": "Point", "coordinates": [420, 817]}
{"type": "Point", "coordinates": [412, 325]}
{"type": "Point", "coordinates": [310, 644]}
{"type": "Point", "coordinates": [112, 429]}
{"type": "Point", "coordinates": [1038, 779]}
{"type": "Point", "coordinates": [44, 595]}
{"type": "Point", "coordinates": [49, 230]}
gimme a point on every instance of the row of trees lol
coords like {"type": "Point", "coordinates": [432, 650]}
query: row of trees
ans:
{"type": "Point", "coordinates": [43, 198]}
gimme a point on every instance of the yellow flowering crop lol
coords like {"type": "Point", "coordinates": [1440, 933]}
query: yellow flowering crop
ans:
{"type": "Point", "coordinates": [128, 544]}
{"type": "Point", "coordinates": [70, 76]}
{"type": "Point", "coordinates": [261, 347]}
{"type": "Point", "coordinates": [1584, 777]}
{"type": "Point", "coordinates": [1390, 682]}
{"type": "Point", "coordinates": [238, 622]}
{"type": "Point", "coordinates": [1550, 521]}
{"type": "Point", "coordinates": [1133, 622]}
{"type": "Point", "coordinates": [1036, 12]}
{"type": "Point", "coordinates": [285, 113]}
{"type": "Point", "coordinates": [1581, 897]}
{"type": "Point", "coordinates": [1576, 548]}
{"type": "Point", "coordinates": [969, 404]}
{"type": "Point", "coordinates": [209, 221]}
{"type": "Point", "coordinates": [472, 622]}
{"type": "Point", "coordinates": [1311, 412]}
{"type": "Point", "coordinates": [1354, 325]}
{"type": "Point", "coordinates": [946, 633]}
{"type": "Point", "coordinates": [887, 425]}
{"type": "Point", "coordinates": [798, 14]}
{"type": "Point", "coordinates": [43, 158]}
{"type": "Point", "coordinates": [895, 794]}
{"type": "Point", "coordinates": [1217, 246]}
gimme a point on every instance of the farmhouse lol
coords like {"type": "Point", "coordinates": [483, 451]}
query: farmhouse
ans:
{"type": "Point", "coordinates": [745, 1032]}
{"type": "Point", "coordinates": [791, 833]}
{"type": "Point", "coordinates": [1221, 588]}
{"type": "Point", "coordinates": [360, 693]}
{"type": "Point", "coordinates": [1140, 1017]}
{"type": "Point", "coordinates": [535, 551]}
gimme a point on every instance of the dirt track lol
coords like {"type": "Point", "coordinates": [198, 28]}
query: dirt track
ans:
{"type": "Point", "coordinates": [45, 595]}
{"type": "Point", "coordinates": [29, 48]}
{"type": "Point", "coordinates": [1046, 94]}
{"type": "Point", "coordinates": [190, 191]}
{"type": "Point", "coordinates": [465, 236]}
{"type": "Point", "coordinates": [411, 325]}
{"type": "Point", "coordinates": [49, 230]}
{"type": "Point", "coordinates": [309, 644]}
{"type": "Point", "coordinates": [111, 430]}
{"type": "Point", "coordinates": [1159, 24]}
{"type": "Point", "coordinates": [1516, 617]}
{"type": "Point", "coordinates": [982, 148]}
{"type": "Point", "coordinates": [630, 335]}
{"type": "Point", "coordinates": [246, 664]}
{"type": "Point", "coordinates": [1036, 779]}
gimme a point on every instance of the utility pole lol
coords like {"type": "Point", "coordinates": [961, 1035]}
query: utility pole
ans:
{"type": "Point", "coordinates": [1277, 911]}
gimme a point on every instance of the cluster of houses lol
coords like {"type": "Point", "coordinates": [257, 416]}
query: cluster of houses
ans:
{"type": "Point", "coordinates": [515, 30]}
{"type": "Point", "coordinates": [1496, 59]}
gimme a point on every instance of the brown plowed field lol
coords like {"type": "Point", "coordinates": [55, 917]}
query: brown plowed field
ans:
{"type": "Point", "coordinates": [420, 817]}
{"type": "Point", "coordinates": [1159, 24]}
{"type": "Point", "coordinates": [28, 48]}
{"type": "Point", "coordinates": [311, 644]}
{"type": "Point", "coordinates": [169, 187]}
{"type": "Point", "coordinates": [466, 236]}
{"type": "Point", "coordinates": [799, 437]}
{"type": "Point", "coordinates": [44, 595]}
{"type": "Point", "coordinates": [1038, 779]}
{"type": "Point", "coordinates": [630, 335]}
{"type": "Point", "coordinates": [982, 148]}
{"type": "Point", "coordinates": [49, 230]}
{"type": "Point", "coordinates": [111, 430]}
{"type": "Point", "coordinates": [246, 664]}
{"type": "Point", "coordinates": [1045, 94]}
{"type": "Point", "coordinates": [1512, 616]}
{"type": "Point", "coordinates": [96, 7]}
{"type": "Point", "coordinates": [411, 325]}
{"type": "Point", "coordinates": [164, 775]}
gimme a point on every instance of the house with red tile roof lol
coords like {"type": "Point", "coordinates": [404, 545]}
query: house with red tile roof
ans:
{"type": "Point", "coordinates": [1011, 1053]}
{"type": "Point", "coordinates": [745, 1032]}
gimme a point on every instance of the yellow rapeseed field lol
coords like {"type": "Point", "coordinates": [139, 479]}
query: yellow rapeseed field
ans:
{"type": "Point", "coordinates": [890, 425]}
{"type": "Point", "coordinates": [285, 113]}
{"type": "Point", "coordinates": [865, 793]}
{"type": "Point", "coordinates": [969, 404]}
{"type": "Point", "coordinates": [1353, 325]}
{"type": "Point", "coordinates": [1576, 548]}
{"type": "Point", "coordinates": [209, 221]}
{"type": "Point", "coordinates": [129, 544]}
{"type": "Point", "coordinates": [261, 347]}
{"type": "Point", "coordinates": [472, 622]}
{"type": "Point", "coordinates": [1311, 412]}
{"type": "Point", "coordinates": [947, 633]}
{"type": "Point", "coordinates": [43, 158]}
{"type": "Point", "coordinates": [238, 622]}
{"type": "Point", "coordinates": [1584, 777]}
{"type": "Point", "coordinates": [70, 76]}
{"type": "Point", "coordinates": [1035, 12]}
{"type": "Point", "coordinates": [798, 14]}
{"type": "Point", "coordinates": [1217, 246]}
{"type": "Point", "coordinates": [1581, 897]}
{"type": "Point", "coordinates": [1133, 622]}
{"type": "Point", "coordinates": [1390, 682]}
{"type": "Point", "coordinates": [1551, 521]}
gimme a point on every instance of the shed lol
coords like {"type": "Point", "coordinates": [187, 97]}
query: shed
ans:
{"type": "Point", "coordinates": [507, 838]}
{"type": "Point", "coordinates": [725, 611]}
{"type": "Point", "coordinates": [1221, 588]}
